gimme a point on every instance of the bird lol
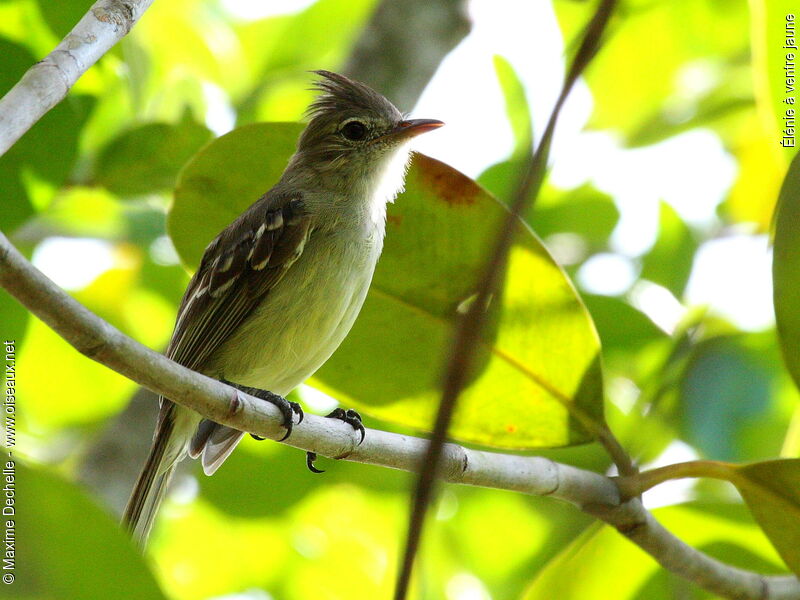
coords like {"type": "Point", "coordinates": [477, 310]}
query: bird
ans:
{"type": "Point", "coordinates": [277, 291]}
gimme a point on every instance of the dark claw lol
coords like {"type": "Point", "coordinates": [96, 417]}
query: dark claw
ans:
{"type": "Point", "coordinates": [288, 409]}
{"type": "Point", "coordinates": [352, 418]}
{"type": "Point", "coordinates": [297, 409]}
{"type": "Point", "coordinates": [349, 416]}
{"type": "Point", "coordinates": [257, 438]}
{"type": "Point", "coordinates": [310, 458]}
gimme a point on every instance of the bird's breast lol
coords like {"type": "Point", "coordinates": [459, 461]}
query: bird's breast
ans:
{"type": "Point", "coordinates": [305, 317]}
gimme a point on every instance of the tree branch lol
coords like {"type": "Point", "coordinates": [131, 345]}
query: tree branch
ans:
{"type": "Point", "coordinates": [403, 44]}
{"type": "Point", "coordinates": [47, 82]}
{"type": "Point", "coordinates": [593, 493]}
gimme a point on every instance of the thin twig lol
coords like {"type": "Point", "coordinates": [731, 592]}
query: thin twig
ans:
{"type": "Point", "coordinates": [593, 493]}
{"type": "Point", "coordinates": [47, 82]}
{"type": "Point", "coordinates": [471, 325]}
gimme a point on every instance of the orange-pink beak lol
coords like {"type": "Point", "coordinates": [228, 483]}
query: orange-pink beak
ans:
{"type": "Point", "coordinates": [414, 127]}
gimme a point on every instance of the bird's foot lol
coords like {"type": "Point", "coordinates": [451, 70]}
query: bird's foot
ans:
{"type": "Point", "coordinates": [349, 416]}
{"type": "Point", "coordinates": [288, 409]}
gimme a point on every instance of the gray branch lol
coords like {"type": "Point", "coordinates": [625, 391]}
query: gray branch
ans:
{"type": "Point", "coordinates": [591, 492]}
{"type": "Point", "coordinates": [47, 82]}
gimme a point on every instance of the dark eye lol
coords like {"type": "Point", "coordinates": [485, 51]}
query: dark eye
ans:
{"type": "Point", "coordinates": [355, 131]}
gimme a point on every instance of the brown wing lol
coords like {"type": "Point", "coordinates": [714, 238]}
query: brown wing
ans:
{"type": "Point", "coordinates": [237, 270]}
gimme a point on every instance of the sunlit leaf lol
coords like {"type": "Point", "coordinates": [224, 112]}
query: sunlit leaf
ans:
{"type": "Point", "coordinates": [637, 91]}
{"type": "Point", "coordinates": [60, 532]}
{"type": "Point", "coordinates": [298, 557]}
{"type": "Point", "coordinates": [519, 115]}
{"type": "Point", "coordinates": [283, 48]}
{"type": "Point", "coordinates": [22, 23]}
{"type": "Point", "coordinates": [761, 169]}
{"type": "Point", "coordinates": [772, 492]}
{"type": "Point", "coordinates": [96, 391]}
{"type": "Point", "coordinates": [180, 37]}
{"type": "Point", "coordinates": [607, 561]}
{"type": "Point", "coordinates": [539, 360]}
{"type": "Point", "coordinates": [669, 261]}
{"type": "Point", "coordinates": [505, 537]}
{"type": "Point", "coordinates": [786, 269]}
{"type": "Point", "coordinates": [258, 551]}
{"type": "Point", "coordinates": [774, 61]}
{"type": "Point", "coordinates": [82, 212]}
{"type": "Point", "coordinates": [723, 110]}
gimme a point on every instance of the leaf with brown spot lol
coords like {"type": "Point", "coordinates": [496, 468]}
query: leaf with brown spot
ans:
{"type": "Point", "coordinates": [447, 184]}
{"type": "Point", "coordinates": [539, 358]}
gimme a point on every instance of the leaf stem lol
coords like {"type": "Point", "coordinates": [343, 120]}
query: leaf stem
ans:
{"type": "Point", "coordinates": [631, 486]}
{"type": "Point", "coordinates": [612, 445]}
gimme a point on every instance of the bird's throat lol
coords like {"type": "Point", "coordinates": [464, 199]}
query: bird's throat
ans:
{"type": "Point", "coordinates": [386, 182]}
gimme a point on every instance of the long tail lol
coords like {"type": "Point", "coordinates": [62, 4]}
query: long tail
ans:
{"type": "Point", "coordinates": [152, 482]}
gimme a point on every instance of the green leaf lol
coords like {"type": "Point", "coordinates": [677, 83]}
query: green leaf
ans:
{"type": "Point", "coordinates": [63, 15]}
{"type": "Point", "coordinates": [116, 297]}
{"type": "Point", "coordinates": [279, 48]}
{"type": "Point", "coordinates": [724, 389]}
{"type": "Point", "coordinates": [67, 547]}
{"type": "Point", "coordinates": [584, 210]}
{"type": "Point", "coordinates": [638, 93]}
{"type": "Point", "coordinates": [607, 561]}
{"type": "Point", "coordinates": [539, 360]}
{"type": "Point", "coordinates": [147, 159]}
{"type": "Point", "coordinates": [269, 497]}
{"type": "Point", "coordinates": [786, 269]}
{"type": "Point", "coordinates": [224, 179]}
{"type": "Point", "coordinates": [669, 261]}
{"type": "Point", "coordinates": [622, 327]}
{"type": "Point", "coordinates": [772, 492]}
{"type": "Point", "coordinates": [519, 115]}
{"type": "Point", "coordinates": [14, 318]}
{"type": "Point", "coordinates": [32, 157]}
{"type": "Point", "coordinates": [500, 179]}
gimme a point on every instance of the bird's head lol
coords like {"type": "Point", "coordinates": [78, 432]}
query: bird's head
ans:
{"type": "Point", "coordinates": [354, 131]}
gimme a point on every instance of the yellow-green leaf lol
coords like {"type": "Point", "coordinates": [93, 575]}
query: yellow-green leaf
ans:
{"type": "Point", "coordinates": [539, 359]}
{"type": "Point", "coordinates": [610, 566]}
{"type": "Point", "coordinates": [772, 492]}
{"type": "Point", "coordinates": [519, 115]}
{"type": "Point", "coordinates": [669, 261]}
{"type": "Point", "coordinates": [786, 269]}
{"type": "Point", "coordinates": [648, 95]}
{"type": "Point", "coordinates": [775, 59]}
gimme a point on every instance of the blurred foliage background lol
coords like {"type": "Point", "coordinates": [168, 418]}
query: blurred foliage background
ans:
{"type": "Point", "coordinates": [85, 194]}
